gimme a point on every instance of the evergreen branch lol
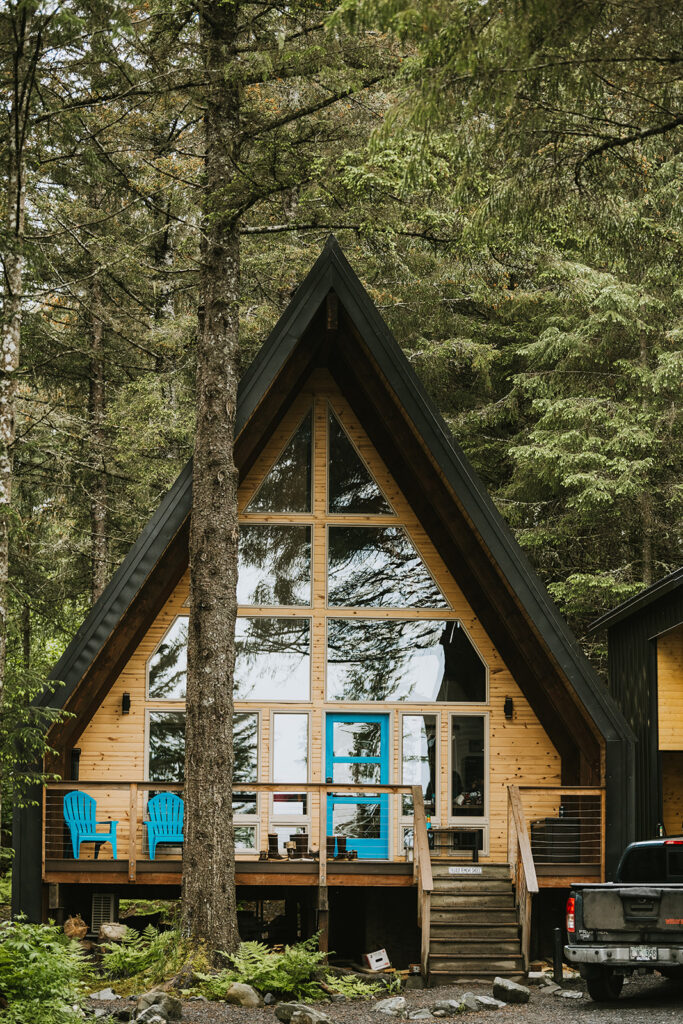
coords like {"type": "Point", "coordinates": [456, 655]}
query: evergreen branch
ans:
{"type": "Point", "coordinates": [625, 140]}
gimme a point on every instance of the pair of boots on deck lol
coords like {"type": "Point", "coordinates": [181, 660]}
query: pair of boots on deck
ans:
{"type": "Point", "coordinates": [297, 848]}
{"type": "Point", "coordinates": [342, 853]}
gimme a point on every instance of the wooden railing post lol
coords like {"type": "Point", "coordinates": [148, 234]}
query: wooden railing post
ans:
{"type": "Point", "coordinates": [132, 831]}
{"type": "Point", "coordinates": [524, 871]}
{"type": "Point", "coordinates": [323, 898]}
{"type": "Point", "coordinates": [425, 882]}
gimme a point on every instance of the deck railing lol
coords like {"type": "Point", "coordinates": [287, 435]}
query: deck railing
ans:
{"type": "Point", "coordinates": [126, 802]}
{"type": "Point", "coordinates": [422, 871]}
{"type": "Point", "coordinates": [522, 867]}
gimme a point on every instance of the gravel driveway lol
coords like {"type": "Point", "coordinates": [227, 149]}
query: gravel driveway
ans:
{"type": "Point", "coordinates": [648, 999]}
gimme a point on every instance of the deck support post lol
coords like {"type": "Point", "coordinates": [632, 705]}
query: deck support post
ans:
{"type": "Point", "coordinates": [323, 901]}
{"type": "Point", "coordinates": [132, 831]}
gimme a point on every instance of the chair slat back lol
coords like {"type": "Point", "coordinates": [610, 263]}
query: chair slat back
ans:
{"type": "Point", "coordinates": [167, 811]}
{"type": "Point", "coordinates": [80, 811]}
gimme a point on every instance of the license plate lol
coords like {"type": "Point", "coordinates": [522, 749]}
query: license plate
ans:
{"type": "Point", "coordinates": [643, 952]}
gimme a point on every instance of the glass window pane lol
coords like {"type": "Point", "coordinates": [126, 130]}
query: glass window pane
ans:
{"type": "Point", "coordinates": [166, 746]}
{"type": "Point", "coordinates": [291, 805]}
{"type": "Point", "coordinates": [245, 837]}
{"type": "Point", "coordinates": [274, 565]}
{"type": "Point", "coordinates": [290, 748]}
{"type": "Point", "coordinates": [419, 759]}
{"type": "Point", "coordinates": [351, 485]}
{"type": "Point", "coordinates": [420, 660]}
{"type": "Point", "coordinates": [167, 668]}
{"type": "Point", "coordinates": [468, 766]}
{"type": "Point", "coordinates": [287, 487]}
{"type": "Point", "coordinates": [353, 772]}
{"type": "Point", "coordinates": [284, 834]}
{"type": "Point", "coordinates": [245, 803]}
{"type": "Point", "coordinates": [245, 740]}
{"type": "Point", "coordinates": [356, 739]}
{"type": "Point", "coordinates": [378, 567]}
{"type": "Point", "coordinates": [272, 659]}
{"type": "Point", "coordinates": [356, 820]}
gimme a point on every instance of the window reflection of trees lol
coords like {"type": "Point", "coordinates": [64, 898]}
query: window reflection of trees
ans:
{"type": "Point", "coordinates": [378, 567]}
{"type": "Point", "coordinates": [402, 660]}
{"type": "Point", "coordinates": [357, 739]}
{"type": "Point", "coordinates": [419, 759]}
{"type": "Point", "coordinates": [274, 566]}
{"type": "Point", "coordinates": [166, 746]}
{"type": "Point", "coordinates": [351, 486]}
{"type": "Point", "coordinates": [167, 676]}
{"type": "Point", "coordinates": [287, 487]}
{"type": "Point", "coordinates": [272, 658]}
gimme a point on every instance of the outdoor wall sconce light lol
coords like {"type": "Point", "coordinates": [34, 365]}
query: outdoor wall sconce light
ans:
{"type": "Point", "coordinates": [125, 704]}
{"type": "Point", "coordinates": [508, 707]}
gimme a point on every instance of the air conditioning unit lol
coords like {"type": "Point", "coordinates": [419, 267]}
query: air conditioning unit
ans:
{"type": "Point", "coordinates": [104, 909]}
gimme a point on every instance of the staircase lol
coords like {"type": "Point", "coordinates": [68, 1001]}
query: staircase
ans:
{"type": "Point", "coordinates": [474, 934]}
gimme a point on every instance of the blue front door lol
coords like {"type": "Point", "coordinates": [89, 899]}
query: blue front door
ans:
{"type": "Point", "coordinates": [357, 751]}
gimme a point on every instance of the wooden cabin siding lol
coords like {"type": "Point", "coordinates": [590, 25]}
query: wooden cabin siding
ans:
{"type": "Point", "coordinates": [670, 689]}
{"type": "Point", "coordinates": [519, 750]}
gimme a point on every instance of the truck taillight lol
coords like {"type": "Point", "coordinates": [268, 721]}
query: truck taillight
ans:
{"type": "Point", "coordinates": [673, 842]}
{"type": "Point", "coordinates": [571, 914]}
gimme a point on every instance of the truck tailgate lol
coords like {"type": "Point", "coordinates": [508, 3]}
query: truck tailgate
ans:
{"type": "Point", "coordinates": [631, 907]}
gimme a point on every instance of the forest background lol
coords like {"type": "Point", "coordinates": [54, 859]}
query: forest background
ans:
{"type": "Point", "coordinates": [505, 180]}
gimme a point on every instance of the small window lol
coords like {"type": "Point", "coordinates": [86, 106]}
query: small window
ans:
{"type": "Point", "coordinates": [378, 567]}
{"type": "Point", "coordinates": [272, 658]}
{"type": "Point", "coordinates": [468, 766]}
{"type": "Point", "coordinates": [352, 488]}
{"type": "Point", "coordinates": [418, 753]}
{"type": "Point", "coordinates": [166, 746]}
{"type": "Point", "coordinates": [167, 668]}
{"type": "Point", "coordinates": [287, 487]}
{"type": "Point", "coordinates": [290, 762]}
{"type": "Point", "coordinates": [274, 565]}
{"type": "Point", "coordinates": [245, 747]}
{"type": "Point", "coordinates": [245, 838]}
{"type": "Point", "coordinates": [418, 660]}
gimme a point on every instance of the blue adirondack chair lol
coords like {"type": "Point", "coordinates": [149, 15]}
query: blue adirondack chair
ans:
{"type": "Point", "coordinates": [165, 825]}
{"type": "Point", "coordinates": [80, 811]}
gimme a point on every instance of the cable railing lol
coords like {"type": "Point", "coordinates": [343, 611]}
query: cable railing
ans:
{"type": "Point", "coordinates": [566, 826]}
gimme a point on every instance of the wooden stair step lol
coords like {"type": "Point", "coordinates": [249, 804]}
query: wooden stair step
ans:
{"type": "Point", "coordinates": [455, 964]}
{"type": "Point", "coordinates": [442, 868]}
{"type": "Point", "coordinates": [472, 948]}
{"type": "Point", "coordinates": [502, 933]}
{"type": "Point", "coordinates": [456, 916]}
{"type": "Point", "coordinates": [472, 901]}
{"type": "Point", "coordinates": [488, 885]}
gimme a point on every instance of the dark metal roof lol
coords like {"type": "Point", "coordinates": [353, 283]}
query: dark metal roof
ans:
{"type": "Point", "coordinates": [639, 601]}
{"type": "Point", "coordinates": [332, 271]}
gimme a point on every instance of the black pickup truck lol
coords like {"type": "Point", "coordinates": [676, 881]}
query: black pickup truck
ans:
{"type": "Point", "coordinates": [632, 924]}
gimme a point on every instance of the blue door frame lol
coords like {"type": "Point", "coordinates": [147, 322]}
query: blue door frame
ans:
{"type": "Point", "coordinates": [377, 846]}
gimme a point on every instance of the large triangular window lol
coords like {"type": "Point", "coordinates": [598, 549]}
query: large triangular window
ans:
{"type": "Point", "coordinates": [287, 486]}
{"type": "Point", "coordinates": [352, 488]}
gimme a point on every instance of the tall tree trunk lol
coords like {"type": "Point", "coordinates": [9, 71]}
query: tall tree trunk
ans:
{"type": "Point", "coordinates": [28, 47]}
{"type": "Point", "coordinates": [98, 494]}
{"type": "Point", "coordinates": [208, 895]}
{"type": "Point", "coordinates": [646, 499]}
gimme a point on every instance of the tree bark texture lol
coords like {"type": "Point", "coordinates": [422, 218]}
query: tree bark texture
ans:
{"type": "Point", "coordinates": [98, 490]}
{"type": "Point", "coordinates": [27, 50]}
{"type": "Point", "coordinates": [208, 896]}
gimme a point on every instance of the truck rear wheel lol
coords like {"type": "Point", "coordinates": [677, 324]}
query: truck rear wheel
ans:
{"type": "Point", "coordinates": [604, 985]}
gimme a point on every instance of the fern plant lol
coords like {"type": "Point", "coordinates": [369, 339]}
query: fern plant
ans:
{"type": "Point", "coordinates": [151, 956]}
{"type": "Point", "coordinates": [289, 973]}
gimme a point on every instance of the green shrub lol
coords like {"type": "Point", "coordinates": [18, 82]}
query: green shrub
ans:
{"type": "Point", "coordinates": [150, 957]}
{"type": "Point", "coordinates": [43, 975]}
{"type": "Point", "coordinates": [292, 973]}
{"type": "Point", "coordinates": [352, 987]}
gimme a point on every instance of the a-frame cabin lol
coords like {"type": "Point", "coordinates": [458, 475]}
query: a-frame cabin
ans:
{"type": "Point", "coordinates": [401, 671]}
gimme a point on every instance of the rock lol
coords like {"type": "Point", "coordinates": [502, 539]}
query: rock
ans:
{"type": "Point", "coordinates": [570, 993]}
{"type": "Point", "coordinates": [546, 979]}
{"type": "Point", "coordinates": [269, 999]}
{"type": "Point", "coordinates": [422, 1014]}
{"type": "Point", "coordinates": [394, 1007]}
{"type": "Point", "coordinates": [75, 927]}
{"type": "Point", "coordinates": [285, 1012]}
{"type": "Point", "coordinates": [489, 1003]}
{"type": "Point", "coordinates": [112, 931]}
{"type": "Point", "coordinates": [469, 1001]}
{"type": "Point", "coordinates": [549, 990]}
{"type": "Point", "coordinates": [105, 994]}
{"type": "Point", "coordinates": [150, 1015]}
{"type": "Point", "coordinates": [309, 1016]}
{"type": "Point", "coordinates": [337, 997]}
{"type": "Point", "coordinates": [414, 981]}
{"type": "Point", "coordinates": [243, 995]}
{"type": "Point", "coordinates": [123, 1014]}
{"type": "Point", "coordinates": [447, 1006]}
{"type": "Point", "coordinates": [167, 1005]}
{"type": "Point", "coordinates": [535, 977]}
{"type": "Point", "coordinates": [100, 1013]}
{"type": "Point", "coordinates": [510, 991]}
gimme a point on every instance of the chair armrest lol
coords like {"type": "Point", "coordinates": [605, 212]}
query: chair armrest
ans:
{"type": "Point", "coordinates": [109, 821]}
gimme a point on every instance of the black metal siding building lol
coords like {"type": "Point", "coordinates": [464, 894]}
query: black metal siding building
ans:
{"type": "Point", "coordinates": [632, 632]}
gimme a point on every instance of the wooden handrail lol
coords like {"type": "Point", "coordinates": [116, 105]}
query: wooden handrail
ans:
{"type": "Point", "coordinates": [522, 866]}
{"type": "Point", "coordinates": [422, 870]}
{"type": "Point", "coordinates": [241, 787]}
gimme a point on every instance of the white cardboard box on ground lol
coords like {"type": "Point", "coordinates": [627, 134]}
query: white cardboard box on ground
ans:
{"type": "Point", "coordinates": [376, 961]}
